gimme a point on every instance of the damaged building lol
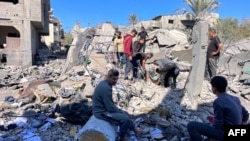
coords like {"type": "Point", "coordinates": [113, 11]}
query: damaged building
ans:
{"type": "Point", "coordinates": [54, 39]}
{"type": "Point", "coordinates": [22, 22]}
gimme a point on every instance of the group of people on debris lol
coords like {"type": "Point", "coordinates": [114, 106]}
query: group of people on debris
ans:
{"type": "Point", "coordinates": [228, 109]}
{"type": "Point", "coordinates": [132, 54]}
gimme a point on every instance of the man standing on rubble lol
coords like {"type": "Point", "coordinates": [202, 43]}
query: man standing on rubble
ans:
{"type": "Point", "coordinates": [139, 60]}
{"type": "Point", "coordinates": [227, 111]}
{"type": "Point", "coordinates": [105, 109]}
{"type": "Point", "coordinates": [213, 54]}
{"type": "Point", "coordinates": [167, 69]}
{"type": "Point", "coordinates": [128, 51]}
{"type": "Point", "coordinates": [143, 35]}
{"type": "Point", "coordinates": [118, 45]}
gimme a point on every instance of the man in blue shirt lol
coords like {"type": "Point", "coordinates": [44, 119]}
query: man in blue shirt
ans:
{"type": "Point", "coordinates": [227, 111]}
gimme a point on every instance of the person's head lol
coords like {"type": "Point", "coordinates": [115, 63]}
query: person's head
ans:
{"type": "Point", "coordinates": [118, 34]}
{"type": "Point", "coordinates": [156, 62]}
{"type": "Point", "coordinates": [219, 84]}
{"type": "Point", "coordinates": [142, 28]}
{"type": "Point", "coordinates": [149, 55]}
{"type": "Point", "coordinates": [211, 32]}
{"type": "Point", "coordinates": [112, 76]}
{"type": "Point", "coordinates": [133, 32]}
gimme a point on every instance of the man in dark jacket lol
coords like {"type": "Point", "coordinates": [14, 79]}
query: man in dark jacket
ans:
{"type": "Point", "coordinates": [104, 107]}
{"type": "Point", "coordinates": [128, 51]}
{"type": "Point", "coordinates": [227, 111]}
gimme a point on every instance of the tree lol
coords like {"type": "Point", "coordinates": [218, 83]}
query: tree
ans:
{"type": "Point", "coordinates": [200, 8]}
{"type": "Point", "coordinates": [228, 30]}
{"type": "Point", "coordinates": [133, 19]}
{"type": "Point", "coordinates": [231, 31]}
{"type": "Point", "coordinates": [245, 28]}
{"type": "Point", "coordinates": [67, 39]}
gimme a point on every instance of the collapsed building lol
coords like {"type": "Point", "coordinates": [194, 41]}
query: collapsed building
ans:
{"type": "Point", "coordinates": [22, 22]}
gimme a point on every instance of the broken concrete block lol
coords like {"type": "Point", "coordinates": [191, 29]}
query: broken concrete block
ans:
{"type": "Point", "coordinates": [44, 90]}
{"type": "Point", "coordinates": [234, 88]}
{"type": "Point", "coordinates": [3, 74]}
{"type": "Point", "coordinates": [245, 91]}
{"type": "Point", "coordinates": [244, 77]}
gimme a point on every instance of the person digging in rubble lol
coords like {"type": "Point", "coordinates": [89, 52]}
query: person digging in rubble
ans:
{"type": "Point", "coordinates": [139, 60]}
{"type": "Point", "coordinates": [227, 111]}
{"type": "Point", "coordinates": [104, 108]}
{"type": "Point", "coordinates": [168, 70]}
{"type": "Point", "coordinates": [118, 45]}
{"type": "Point", "coordinates": [128, 51]}
{"type": "Point", "coordinates": [213, 54]}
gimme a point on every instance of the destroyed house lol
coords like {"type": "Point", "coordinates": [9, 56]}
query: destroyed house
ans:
{"type": "Point", "coordinates": [22, 22]}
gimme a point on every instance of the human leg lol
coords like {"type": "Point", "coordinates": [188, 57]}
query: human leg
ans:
{"type": "Point", "coordinates": [212, 67]}
{"type": "Point", "coordinates": [197, 129]}
{"type": "Point", "coordinates": [128, 66]}
{"type": "Point", "coordinates": [118, 57]}
{"type": "Point", "coordinates": [175, 75]}
{"type": "Point", "coordinates": [124, 121]}
{"type": "Point", "coordinates": [167, 78]}
{"type": "Point", "coordinates": [143, 47]}
{"type": "Point", "coordinates": [162, 78]}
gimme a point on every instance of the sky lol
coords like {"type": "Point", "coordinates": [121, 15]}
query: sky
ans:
{"type": "Point", "coordinates": [94, 12]}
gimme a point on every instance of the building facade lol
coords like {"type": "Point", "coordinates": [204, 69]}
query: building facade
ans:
{"type": "Point", "coordinates": [22, 23]}
{"type": "Point", "coordinates": [54, 39]}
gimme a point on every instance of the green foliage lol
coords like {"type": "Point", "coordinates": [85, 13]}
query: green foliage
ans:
{"type": "Point", "coordinates": [245, 28]}
{"type": "Point", "coordinates": [229, 30]}
{"type": "Point", "coordinates": [201, 7]}
{"type": "Point", "coordinates": [68, 38]}
{"type": "Point", "coordinates": [133, 19]}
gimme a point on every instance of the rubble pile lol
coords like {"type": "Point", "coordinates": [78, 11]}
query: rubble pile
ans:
{"type": "Point", "coordinates": [52, 101]}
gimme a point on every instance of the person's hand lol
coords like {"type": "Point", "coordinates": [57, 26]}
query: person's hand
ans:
{"type": "Point", "coordinates": [244, 123]}
{"type": "Point", "coordinates": [130, 58]}
{"type": "Point", "coordinates": [214, 53]}
{"type": "Point", "coordinates": [210, 119]}
{"type": "Point", "coordinates": [115, 48]}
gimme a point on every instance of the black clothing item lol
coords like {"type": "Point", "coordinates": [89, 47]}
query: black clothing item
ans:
{"type": "Point", "coordinates": [137, 58]}
{"type": "Point", "coordinates": [171, 73]}
{"type": "Point", "coordinates": [213, 46]}
{"type": "Point", "coordinates": [143, 35]}
{"type": "Point", "coordinates": [140, 56]}
{"type": "Point", "coordinates": [137, 47]}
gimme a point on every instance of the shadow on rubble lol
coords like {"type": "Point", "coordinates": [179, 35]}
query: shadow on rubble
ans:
{"type": "Point", "coordinates": [171, 117]}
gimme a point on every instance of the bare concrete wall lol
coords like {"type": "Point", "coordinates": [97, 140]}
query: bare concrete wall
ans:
{"type": "Point", "coordinates": [30, 18]}
{"type": "Point", "coordinates": [4, 32]}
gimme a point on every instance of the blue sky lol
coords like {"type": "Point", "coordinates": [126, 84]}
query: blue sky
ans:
{"type": "Point", "coordinates": [92, 12]}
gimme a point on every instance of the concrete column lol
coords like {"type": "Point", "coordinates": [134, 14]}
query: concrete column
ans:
{"type": "Point", "coordinates": [196, 77]}
{"type": "Point", "coordinates": [26, 51]}
{"type": "Point", "coordinates": [96, 130]}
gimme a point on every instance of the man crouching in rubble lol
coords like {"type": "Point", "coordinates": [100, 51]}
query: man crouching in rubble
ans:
{"type": "Point", "coordinates": [104, 107]}
{"type": "Point", "coordinates": [167, 69]}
